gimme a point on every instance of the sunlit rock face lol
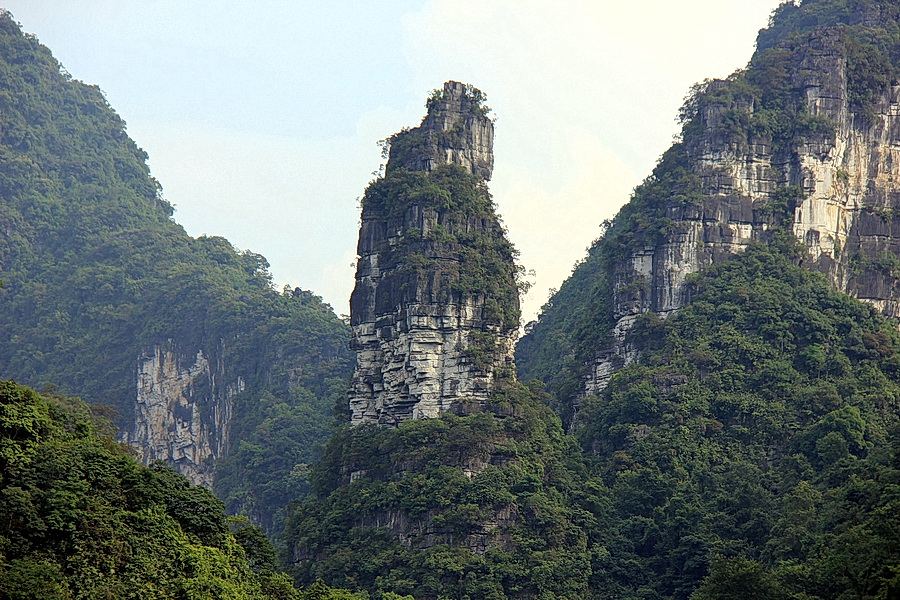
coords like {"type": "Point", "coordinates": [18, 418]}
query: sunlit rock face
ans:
{"type": "Point", "coordinates": [850, 184]}
{"type": "Point", "coordinates": [455, 131]}
{"type": "Point", "coordinates": [426, 344]}
{"type": "Point", "coordinates": [182, 411]}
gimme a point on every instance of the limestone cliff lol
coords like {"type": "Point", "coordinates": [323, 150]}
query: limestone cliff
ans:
{"type": "Point", "coordinates": [456, 130]}
{"type": "Point", "coordinates": [793, 141]}
{"type": "Point", "coordinates": [183, 411]}
{"type": "Point", "coordinates": [435, 309]}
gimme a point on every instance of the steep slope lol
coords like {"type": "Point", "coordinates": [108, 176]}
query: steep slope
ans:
{"type": "Point", "coordinates": [752, 451]}
{"type": "Point", "coordinates": [106, 297]}
{"type": "Point", "coordinates": [806, 138]}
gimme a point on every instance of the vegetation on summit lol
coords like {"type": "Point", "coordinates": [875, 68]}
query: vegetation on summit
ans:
{"type": "Point", "coordinates": [483, 258]}
{"type": "Point", "coordinates": [752, 450]}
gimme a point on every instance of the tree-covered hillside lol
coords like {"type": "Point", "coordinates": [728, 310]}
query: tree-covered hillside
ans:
{"type": "Point", "coordinates": [753, 451]}
{"type": "Point", "coordinates": [95, 272]}
{"type": "Point", "coordinates": [490, 505]}
{"type": "Point", "coordinates": [81, 519]}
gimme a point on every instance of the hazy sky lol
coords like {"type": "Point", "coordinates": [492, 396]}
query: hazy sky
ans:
{"type": "Point", "coordinates": [261, 118]}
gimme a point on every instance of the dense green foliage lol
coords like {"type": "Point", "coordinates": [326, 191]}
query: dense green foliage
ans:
{"type": "Point", "coordinates": [506, 481]}
{"type": "Point", "coordinates": [278, 436]}
{"type": "Point", "coordinates": [446, 187]}
{"type": "Point", "coordinates": [792, 19]}
{"type": "Point", "coordinates": [81, 519]}
{"type": "Point", "coordinates": [761, 427]}
{"type": "Point", "coordinates": [95, 272]}
{"type": "Point", "coordinates": [467, 245]}
{"type": "Point", "coordinates": [752, 452]}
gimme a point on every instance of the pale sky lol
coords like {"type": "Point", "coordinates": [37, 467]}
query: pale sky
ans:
{"type": "Point", "coordinates": [261, 118]}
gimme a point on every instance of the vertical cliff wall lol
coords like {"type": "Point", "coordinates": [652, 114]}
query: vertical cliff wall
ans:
{"type": "Point", "coordinates": [183, 411]}
{"type": "Point", "coordinates": [805, 139]}
{"type": "Point", "coordinates": [435, 309]}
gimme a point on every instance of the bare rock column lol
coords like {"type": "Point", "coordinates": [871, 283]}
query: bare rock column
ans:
{"type": "Point", "coordinates": [435, 311]}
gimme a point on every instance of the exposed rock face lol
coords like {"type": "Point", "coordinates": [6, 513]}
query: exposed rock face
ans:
{"type": "Point", "coordinates": [434, 322]}
{"type": "Point", "coordinates": [182, 411]}
{"type": "Point", "coordinates": [421, 533]}
{"type": "Point", "coordinates": [849, 179]}
{"type": "Point", "coordinates": [455, 131]}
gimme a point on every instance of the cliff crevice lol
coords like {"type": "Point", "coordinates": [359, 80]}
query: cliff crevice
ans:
{"type": "Point", "coordinates": [183, 411]}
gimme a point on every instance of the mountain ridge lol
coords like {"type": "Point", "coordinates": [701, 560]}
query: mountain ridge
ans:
{"type": "Point", "coordinates": [106, 297]}
{"type": "Point", "coordinates": [802, 135]}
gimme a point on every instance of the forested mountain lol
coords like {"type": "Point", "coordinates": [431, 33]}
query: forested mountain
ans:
{"type": "Point", "coordinates": [804, 138]}
{"type": "Point", "coordinates": [733, 413]}
{"type": "Point", "coordinates": [719, 416]}
{"type": "Point", "coordinates": [205, 364]}
{"type": "Point", "coordinates": [452, 479]}
{"type": "Point", "coordinates": [753, 452]}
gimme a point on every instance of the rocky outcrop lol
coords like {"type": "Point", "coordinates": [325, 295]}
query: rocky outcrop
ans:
{"type": "Point", "coordinates": [837, 176]}
{"type": "Point", "coordinates": [435, 308]}
{"type": "Point", "coordinates": [421, 533]}
{"type": "Point", "coordinates": [182, 411]}
{"type": "Point", "coordinates": [456, 131]}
